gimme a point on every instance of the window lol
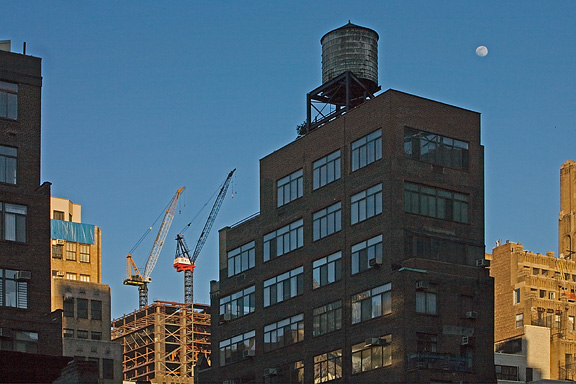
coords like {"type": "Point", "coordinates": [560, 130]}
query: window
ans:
{"type": "Point", "coordinates": [292, 373]}
{"type": "Point", "coordinates": [366, 357]}
{"type": "Point", "coordinates": [70, 251]}
{"type": "Point", "coordinates": [13, 223]}
{"type": "Point", "coordinates": [507, 372]}
{"type": "Point", "coordinates": [13, 291]}
{"type": "Point", "coordinates": [365, 251]}
{"type": "Point", "coordinates": [290, 188]}
{"type": "Point", "coordinates": [68, 306]}
{"type": "Point", "coordinates": [435, 149]}
{"type": "Point", "coordinates": [283, 287]}
{"type": "Point", "coordinates": [67, 332]}
{"type": "Point", "coordinates": [327, 221]}
{"type": "Point", "coordinates": [516, 296]}
{"type": "Point", "coordinates": [542, 293]}
{"type": "Point", "coordinates": [84, 253]}
{"type": "Point", "coordinates": [96, 309]}
{"type": "Point", "coordinates": [366, 150]}
{"type": "Point", "coordinates": [239, 303]}
{"type": "Point", "coordinates": [326, 170]}
{"type": "Point", "coordinates": [284, 332]}
{"type": "Point", "coordinates": [8, 100]}
{"type": "Point", "coordinates": [426, 302]}
{"type": "Point", "coordinates": [327, 270]}
{"type": "Point", "coordinates": [551, 295]}
{"type": "Point", "coordinates": [372, 303]}
{"type": "Point", "coordinates": [426, 342]}
{"type": "Point", "coordinates": [232, 350]}
{"type": "Point", "coordinates": [8, 164]}
{"type": "Point", "coordinates": [366, 204]}
{"type": "Point", "coordinates": [95, 335]}
{"type": "Point", "coordinates": [435, 202]}
{"type": "Point", "coordinates": [26, 342]}
{"type": "Point", "coordinates": [558, 321]}
{"type": "Point", "coordinates": [328, 366]}
{"type": "Point", "coordinates": [327, 318]}
{"type": "Point", "coordinates": [571, 323]}
{"type": "Point", "coordinates": [519, 320]}
{"type": "Point", "coordinates": [85, 278]}
{"type": "Point", "coordinates": [82, 308]}
{"type": "Point", "coordinates": [535, 271]}
{"type": "Point", "coordinates": [71, 276]}
{"type": "Point", "coordinates": [58, 215]}
{"type": "Point", "coordinates": [432, 248]}
{"type": "Point", "coordinates": [284, 240]}
{"type": "Point", "coordinates": [57, 251]}
{"type": "Point", "coordinates": [108, 369]}
{"type": "Point", "coordinates": [82, 334]}
{"type": "Point", "coordinates": [241, 258]}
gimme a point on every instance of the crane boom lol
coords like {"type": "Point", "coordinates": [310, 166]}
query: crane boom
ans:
{"type": "Point", "coordinates": [134, 277]}
{"type": "Point", "coordinates": [186, 262]}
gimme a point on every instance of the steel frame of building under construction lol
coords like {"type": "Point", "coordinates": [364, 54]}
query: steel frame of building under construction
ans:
{"type": "Point", "coordinates": [161, 343]}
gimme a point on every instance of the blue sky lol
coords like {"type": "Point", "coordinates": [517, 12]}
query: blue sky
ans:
{"type": "Point", "coordinates": [143, 97]}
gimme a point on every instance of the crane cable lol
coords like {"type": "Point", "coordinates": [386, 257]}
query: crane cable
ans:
{"type": "Point", "coordinates": [201, 209]}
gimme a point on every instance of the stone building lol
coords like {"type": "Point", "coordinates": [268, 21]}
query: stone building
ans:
{"type": "Point", "coordinates": [30, 333]}
{"type": "Point", "coordinates": [364, 263]}
{"type": "Point", "coordinates": [78, 291]}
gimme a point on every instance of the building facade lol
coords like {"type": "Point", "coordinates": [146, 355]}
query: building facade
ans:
{"type": "Point", "coordinates": [567, 216]}
{"type": "Point", "coordinates": [362, 264]}
{"type": "Point", "coordinates": [78, 291]}
{"type": "Point", "coordinates": [27, 323]}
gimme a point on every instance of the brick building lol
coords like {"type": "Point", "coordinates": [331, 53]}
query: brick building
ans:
{"type": "Point", "coordinates": [77, 289]}
{"type": "Point", "coordinates": [535, 300]}
{"type": "Point", "coordinates": [30, 333]}
{"type": "Point", "coordinates": [361, 265]}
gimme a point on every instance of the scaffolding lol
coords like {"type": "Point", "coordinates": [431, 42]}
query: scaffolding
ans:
{"type": "Point", "coordinates": [163, 341]}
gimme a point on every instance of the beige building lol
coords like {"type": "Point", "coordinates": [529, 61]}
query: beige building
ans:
{"type": "Point", "coordinates": [535, 300]}
{"type": "Point", "coordinates": [77, 289]}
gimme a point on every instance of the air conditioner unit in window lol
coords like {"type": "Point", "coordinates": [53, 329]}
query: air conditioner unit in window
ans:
{"type": "Point", "coordinates": [471, 314]}
{"type": "Point", "coordinates": [270, 372]}
{"type": "Point", "coordinates": [23, 275]}
{"type": "Point", "coordinates": [54, 241]}
{"type": "Point", "coordinates": [375, 262]}
{"type": "Point", "coordinates": [248, 353]}
{"type": "Point", "coordinates": [422, 284]}
{"type": "Point", "coordinates": [482, 263]}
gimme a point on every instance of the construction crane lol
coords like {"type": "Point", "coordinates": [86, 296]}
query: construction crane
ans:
{"type": "Point", "coordinates": [133, 275]}
{"type": "Point", "coordinates": [184, 262]}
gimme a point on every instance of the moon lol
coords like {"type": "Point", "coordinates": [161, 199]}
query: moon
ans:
{"type": "Point", "coordinates": [481, 51]}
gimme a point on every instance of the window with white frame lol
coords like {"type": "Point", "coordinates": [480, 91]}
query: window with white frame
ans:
{"type": "Point", "coordinates": [365, 251]}
{"type": "Point", "coordinates": [8, 100]}
{"type": "Point", "coordinates": [71, 276]}
{"type": "Point", "coordinates": [13, 223]}
{"type": "Point", "coordinates": [232, 349]}
{"type": "Point", "coordinates": [571, 324]}
{"type": "Point", "coordinates": [284, 332]}
{"type": "Point", "coordinates": [241, 259]}
{"type": "Point", "coordinates": [284, 240]}
{"type": "Point", "coordinates": [328, 366]}
{"type": "Point", "coordinates": [8, 164]}
{"type": "Point", "coordinates": [13, 289]}
{"type": "Point", "coordinates": [70, 251]}
{"type": "Point", "coordinates": [326, 170]}
{"type": "Point", "coordinates": [426, 302]}
{"type": "Point", "coordinates": [284, 286]}
{"type": "Point", "coordinates": [239, 303]}
{"type": "Point", "coordinates": [327, 270]}
{"type": "Point", "coordinates": [327, 318]}
{"type": "Point", "coordinates": [366, 204]}
{"type": "Point", "coordinates": [436, 202]}
{"type": "Point", "coordinates": [372, 303]}
{"type": "Point", "coordinates": [366, 357]}
{"type": "Point", "coordinates": [516, 296]}
{"type": "Point", "coordinates": [366, 150]}
{"type": "Point", "coordinates": [327, 221]}
{"type": "Point", "coordinates": [84, 253]}
{"type": "Point", "coordinates": [519, 320]}
{"type": "Point", "coordinates": [290, 187]}
{"type": "Point", "coordinates": [85, 278]}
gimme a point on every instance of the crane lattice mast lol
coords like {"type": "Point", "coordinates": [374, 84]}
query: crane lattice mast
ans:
{"type": "Point", "coordinates": [133, 275]}
{"type": "Point", "coordinates": [186, 262]}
